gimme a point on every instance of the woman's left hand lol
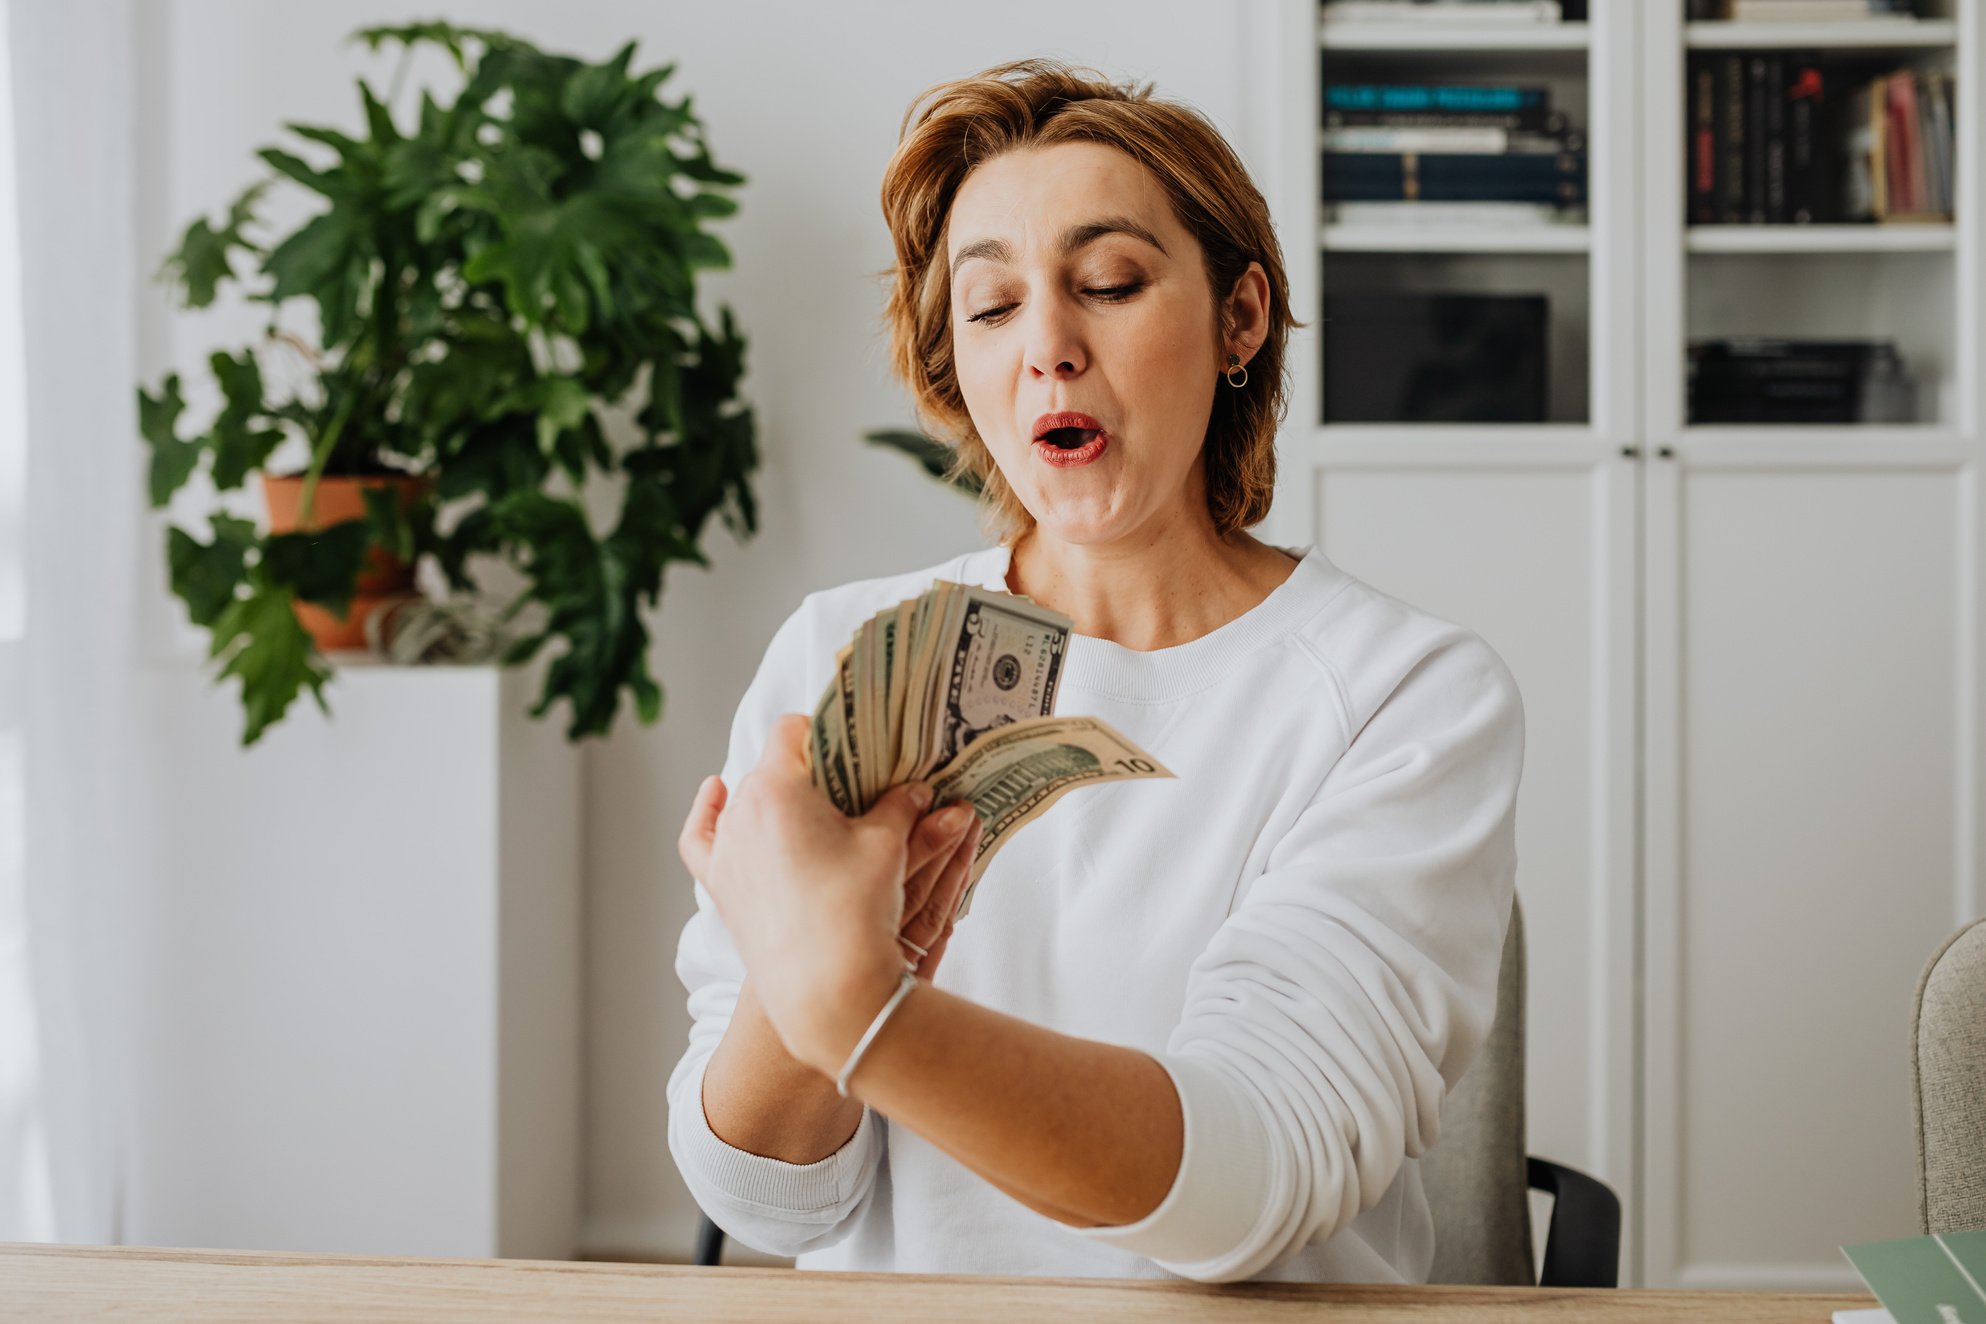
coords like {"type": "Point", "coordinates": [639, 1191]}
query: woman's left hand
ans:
{"type": "Point", "coordinates": [813, 899]}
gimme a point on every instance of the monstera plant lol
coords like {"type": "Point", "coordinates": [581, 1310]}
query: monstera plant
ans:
{"type": "Point", "coordinates": [477, 290]}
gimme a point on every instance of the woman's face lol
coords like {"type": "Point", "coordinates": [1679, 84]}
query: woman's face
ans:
{"type": "Point", "coordinates": [1075, 289]}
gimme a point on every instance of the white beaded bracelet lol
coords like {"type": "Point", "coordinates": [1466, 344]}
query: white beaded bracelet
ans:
{"type": "Point", "coordinates": [905, 982]}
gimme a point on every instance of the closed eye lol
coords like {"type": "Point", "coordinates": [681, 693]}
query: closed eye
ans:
{"type": "Point", "coordinates": [1109, 294]}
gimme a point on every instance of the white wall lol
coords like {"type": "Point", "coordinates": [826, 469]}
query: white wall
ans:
{"type": "Point", "coordinates": [805, 99]}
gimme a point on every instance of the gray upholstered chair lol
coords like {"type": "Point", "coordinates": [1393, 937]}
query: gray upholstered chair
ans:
{"type": "Point", "coordinates": [1478, 1174]}
{"type": "Point", "coordinates": [1948, 1084]}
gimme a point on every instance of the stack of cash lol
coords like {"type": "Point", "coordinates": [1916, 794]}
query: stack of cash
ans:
{"type": "Point", "coordinates": [921, 683]}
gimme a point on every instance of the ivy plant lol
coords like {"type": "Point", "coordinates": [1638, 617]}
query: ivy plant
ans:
{"type": "Point", "coordinates": [484, 283]}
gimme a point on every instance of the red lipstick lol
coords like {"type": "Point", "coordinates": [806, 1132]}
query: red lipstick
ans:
{"type": "Point", "coordinates": [1068, 439]}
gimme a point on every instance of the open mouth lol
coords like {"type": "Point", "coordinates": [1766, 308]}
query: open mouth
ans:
{"type": "Point", "coordinates": [1068, 439]}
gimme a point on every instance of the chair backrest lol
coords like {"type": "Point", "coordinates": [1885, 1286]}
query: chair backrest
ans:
{"type": "Point", "coordinates": [1475, 1174]}
{"type": "Point", "coordinates": [1948, 1084]}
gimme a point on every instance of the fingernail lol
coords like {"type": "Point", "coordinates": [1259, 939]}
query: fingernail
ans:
{"type": "Point", "coordinates": [920, 795]}
{"type": "Point", "coordinates": [957, 817]}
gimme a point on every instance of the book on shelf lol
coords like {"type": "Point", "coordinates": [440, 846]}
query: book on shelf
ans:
{"type": "Point", "coordinates": [1457, 139]}
{"type": "Point", "coordinates": [1449, 142]}
{"type": "Point", "coordinates": [1801, 11]}
{"type": "Point", "coordinates": [1810, 174]}
{"type": "Point", "coordinates": [1898, 149]}
{"type": "Point", "coordinates": [1757, 379]}
{"type": "Point", "coordinates": [1410, 176]}
{"type": "Point", "coordinates": [1782, 137]}
{"type": "Point", "coordinates": [1525, 109]}
{"type": "Point", "coordinates": [1446, 11]}
{"type": "Point", "coordinates": [1701, 149]}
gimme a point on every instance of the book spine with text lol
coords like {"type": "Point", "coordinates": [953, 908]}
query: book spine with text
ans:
{"type": "Point", "coordinates": [1731, 139]}
{"type": "Point", "coordinates": [1703, 145]}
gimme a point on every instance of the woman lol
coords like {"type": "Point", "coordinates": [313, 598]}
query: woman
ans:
{"type": "Point", "coordinates": [1199, 1026]}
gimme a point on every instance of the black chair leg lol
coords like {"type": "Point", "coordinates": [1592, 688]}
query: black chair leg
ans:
{"type": "Point", "coordinates": [709, 1243]}
{"type": "Point", "coordinates": [1583, 1245]}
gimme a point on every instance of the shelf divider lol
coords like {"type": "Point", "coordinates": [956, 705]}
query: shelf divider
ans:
{"type": "Point", "coordinates": [1887, 34]}
{"type": "Point", "coordinates": [1345, 35]}
{"type": "Point", "coordinates": [1415, 237]}
{"type": "Point", "coordinates": [1901, 238]}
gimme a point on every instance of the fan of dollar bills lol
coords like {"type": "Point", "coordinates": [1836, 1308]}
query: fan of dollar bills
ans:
{"type": "Point", "coordinates": [920, 685]}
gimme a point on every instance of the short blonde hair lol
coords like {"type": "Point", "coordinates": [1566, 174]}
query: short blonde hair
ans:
{"type": "Point", "coordinates": [951, 128]}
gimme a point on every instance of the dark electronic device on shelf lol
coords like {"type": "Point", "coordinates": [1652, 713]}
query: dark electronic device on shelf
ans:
{"type": "Point", "coordinates": [1755, 379]}
{"type": "Point", "coordinates": [1434, 358]}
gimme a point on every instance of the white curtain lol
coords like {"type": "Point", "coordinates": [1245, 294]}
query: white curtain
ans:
{"type": "Point", "coordinates": [27, 1211]}
{"type": "Point", "coordinates": [72, 65]}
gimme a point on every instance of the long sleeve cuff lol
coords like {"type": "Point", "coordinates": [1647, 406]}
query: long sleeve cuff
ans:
{"type": "Point", "coordinates": [1208, 1219]}
{"type": "Point", "coordinates": [725, 1178]}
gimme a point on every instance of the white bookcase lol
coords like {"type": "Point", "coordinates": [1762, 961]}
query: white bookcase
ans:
{"type": "Point", "coordinates": [1750, 656]}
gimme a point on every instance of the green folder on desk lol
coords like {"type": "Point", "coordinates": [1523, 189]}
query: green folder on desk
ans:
{"type": "Point", "coordinates": [1927, 1280]}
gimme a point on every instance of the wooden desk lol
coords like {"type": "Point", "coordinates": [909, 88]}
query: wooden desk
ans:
{"type": "Point", "coordinates": [39, 1282]}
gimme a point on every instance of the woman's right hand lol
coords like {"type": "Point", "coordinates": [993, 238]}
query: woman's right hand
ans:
{"type": "Point", "coordinates": [941, 850]}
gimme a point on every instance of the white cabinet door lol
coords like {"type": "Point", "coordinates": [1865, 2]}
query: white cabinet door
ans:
{"type": "Point", "coordinates": [1532, 545]}
{"type": "Point", "coordinates": [1812, 833]}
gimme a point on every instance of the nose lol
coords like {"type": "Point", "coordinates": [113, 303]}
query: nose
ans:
{"type": "Point", "coordinates": [1054, 345]}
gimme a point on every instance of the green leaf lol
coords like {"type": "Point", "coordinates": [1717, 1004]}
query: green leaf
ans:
{"type": "Point", "coordinates": [392, 530]}
{"type": "Point", "coordinates": [321, 566]}
{"type": "Point", "coordinates": [447, 35]}
{"type": "Point", "coordinates": [202, 263]}
{"type": "Point", "coordinates": [377, 117]}
{"type": "Point", "coordinates": [558, 404]}
{"type": "Point", "coordinates": [348, 148]}
{"type": "Point", "coordinates": [268, 651]}
{"type": "Point", "coordinates": [330, 184]}
{"type": "Point", "coordinates": [664, 411]}
{"type": "Point", "coordinates": [594, 91]}
{"type": "Point", "coordinates": [712, 206]}
{"type": "Point", "coordinates": [173, 460]}
{"type": "Point", "coordinates": [704, 250]}
{"type": "Point", "coordinates": [700, 168]}
{"type": "Point", "coordinates": [240, 448]}
{"type": "Point", "coordinates": [206, 575]}
{"type": "Point", "coordinates": [476, 533]}
{"type": "Point", "coordinates": [583, 584]}
{"type": "Point", "coordinates": [415, 172]}
{"type": "Point", "coordinates": [934, 455]}
{"type": "Point", "coordinates": [471, 361]}
{"type": "Point", "coordinates": [326, 260]}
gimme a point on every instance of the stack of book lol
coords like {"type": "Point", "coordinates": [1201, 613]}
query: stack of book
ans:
{"type": "Point", "coordinates": [1802, 11]}
{"type": "Point", "coordinates": [1393, 150]}
{"type": "Point", "coordinates": [1758, 380]}
{"type": "Point", "coordinates": [1443, 11]}
{"type": "Point", "coordinates": [1899, 148]}
{"type": "Point", "coordinates": [1780, 137]}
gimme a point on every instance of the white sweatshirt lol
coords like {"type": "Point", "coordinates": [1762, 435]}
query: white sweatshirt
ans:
{"type": "Point", "coordinates": [1303, 928]}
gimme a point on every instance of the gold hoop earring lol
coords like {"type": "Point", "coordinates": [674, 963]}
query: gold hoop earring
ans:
{"type": "Point", "coordinates": [1233, 359]}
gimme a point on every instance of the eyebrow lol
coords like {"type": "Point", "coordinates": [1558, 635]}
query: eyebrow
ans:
{"type": "Point", "coordinates": [1073, 238]}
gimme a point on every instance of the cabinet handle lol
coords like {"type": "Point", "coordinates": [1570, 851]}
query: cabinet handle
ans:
{"type": "Point", "coordinates": [1666, 453]}
{"type": "Point", "coordinates": [1630, 452]}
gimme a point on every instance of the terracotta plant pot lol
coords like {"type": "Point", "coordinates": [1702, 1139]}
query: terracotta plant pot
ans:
{"type": "Point", "coordinates": [384, 579]}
